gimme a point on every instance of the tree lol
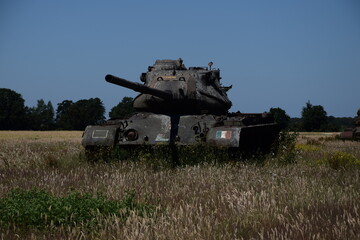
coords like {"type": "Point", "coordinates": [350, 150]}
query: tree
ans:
{"type": "Point", "coordinates": [63, 119]}
{"type": "Point", "coordinates": [76, 116]}
{"type": "Point", "coordinates": [280, 117]}
{"type": "Point", "coordinates": [42, 116]}
{"type": "Point", "coordinates": [314, 118]}
{"type": "Point", "coordinates": [295, 125]}
{"type": "Point", "coordinates": [87, 112]}
{"type": "Point", "coordinates": [124, 108]}
{"type": "Point", "coordinates": [13, 113]}
{"type": "Point", "coordinates": [332, 125]}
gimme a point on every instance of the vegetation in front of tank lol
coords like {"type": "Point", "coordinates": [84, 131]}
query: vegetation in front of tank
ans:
{"type": "Point", "coordinates": [285, 151]}
{"type": "Point", "coordinates": [28, 154]}
{"type": "Point", "coordinates": [235, 200]}
{"type": "Point", "coordinates": [39, 209]}
{"type": "Point", "coordinates": [200, 153]}
{"type": "Point", "coordinates": [307, 148]}
{"type": "Point", "coordinates": [330, 138]}
{"type": "Point", "coordinates": [169, 156]}
{"type": "Point", "coordinates": [340, 160]}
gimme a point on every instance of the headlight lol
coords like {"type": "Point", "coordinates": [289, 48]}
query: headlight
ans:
{"type": "Point", "coordinates": [131, 135]}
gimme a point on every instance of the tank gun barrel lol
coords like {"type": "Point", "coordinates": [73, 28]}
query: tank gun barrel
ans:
{"type": "Point", "coordinates": [138, 87]}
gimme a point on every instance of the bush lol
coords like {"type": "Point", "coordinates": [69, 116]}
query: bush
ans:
{"type": "Point", "coordinates": [285, 148]}
{"type": "Point", "coordinates": [39, 209]}
{"type": "Point", "coordinates": [314, 142]}
{"type": "Point", "coordinates": [169, 156]}
{"type": "Point", "coordinates": [342, 160]}
{"type": "Point", "coordinates": [307, 148]}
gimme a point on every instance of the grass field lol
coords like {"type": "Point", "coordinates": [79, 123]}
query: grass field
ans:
{"type": "Point", "coordinates": [316, 195]}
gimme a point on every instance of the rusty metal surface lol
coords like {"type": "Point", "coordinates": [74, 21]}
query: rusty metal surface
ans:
{"type": "Point", "coordinates": [170, 88]}
{"type": "Point", "coordinates": [159, 129]}
{"type": "Point", "coordinates": [182, 106]}
{"type": "Point", "coordinates": [100, 136]}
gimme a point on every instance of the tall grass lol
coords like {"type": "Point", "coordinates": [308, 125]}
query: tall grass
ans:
{"type": "Point", "coordinates": [305, 199]}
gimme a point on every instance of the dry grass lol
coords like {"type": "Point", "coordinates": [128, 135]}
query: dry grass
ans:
{"type": "Point", "coordinates": [305, 200]}
{"type": "Point", "coordinates": [42, 136]}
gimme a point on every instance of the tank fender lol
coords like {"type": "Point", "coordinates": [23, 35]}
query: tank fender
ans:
{"type": "Point", "coordinates": [224, 136]}
{"type": "Point", "coordinates": [100, 136]}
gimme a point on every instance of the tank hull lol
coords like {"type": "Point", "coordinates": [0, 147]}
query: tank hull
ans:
{"type": "Point", "coordinates": [245, 132]}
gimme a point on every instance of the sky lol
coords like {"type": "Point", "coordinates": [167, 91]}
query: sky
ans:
{"type": "Point", "coordinates": [280, 53]}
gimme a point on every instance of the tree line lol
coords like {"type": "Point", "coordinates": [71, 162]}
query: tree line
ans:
{"type": "Point", "coordinates": [69, 115]}
{"type": "Point", "coordinates": [313, 119]}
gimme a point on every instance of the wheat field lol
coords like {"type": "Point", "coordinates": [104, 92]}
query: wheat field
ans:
{"type": "Point", "coordinates": [307, 199]}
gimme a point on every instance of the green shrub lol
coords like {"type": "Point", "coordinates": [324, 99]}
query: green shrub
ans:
{"type": "Point", "coordinates": [307, 148]}
{"type": "Point", "coordinates": [342, 160]}
{"type": "Point", "coordinates": [330, 138]}
{"type": "Point", "coordinates": [285, 148]}
{"type": "Point", "coordinates": [168, 156]}
{"type": "Point", "coordinates": [313, 142]}
{"type": "Point", "coordinates": [39, 209]}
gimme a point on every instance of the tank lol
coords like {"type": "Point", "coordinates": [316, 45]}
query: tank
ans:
{"type": "Point", "coordinates": [182, 106]}
{"type": "Point", "coordinates": [352, 133]}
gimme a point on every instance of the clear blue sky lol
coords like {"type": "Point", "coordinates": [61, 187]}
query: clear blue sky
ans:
{"type": "Point", "coordinates": [274, 53]}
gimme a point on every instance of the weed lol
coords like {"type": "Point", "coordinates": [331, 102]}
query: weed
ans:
{"type": "Point", "coordinates": [39, 209]}
{"type": "Point", "coordinates": [307, 148]}
{"type": "Point", "coordinates": [314, 142]}
{"type": "Point", "coordinates": [285, 148]}
{"type": "Point", "coordinates": [341, 160]}
{"type": "Point", "coordinates": [169, 156]}
{"type": "Point", "coordinates": [330, 138]}
{"type": "Point", "coordinates": [198, 200]}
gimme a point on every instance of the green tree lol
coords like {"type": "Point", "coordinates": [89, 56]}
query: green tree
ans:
{"type": "Point", "coordinates": [13, 113]}
{"type": "Point", "coordinates": [332, 125]}
{"type": "Point", "coordinates": [280, 117]}
{"type": "Point", "coordinates": [295, 125]}
{"type": "Point", "coordinates": [124, 108]}
{"type": "Point", "coordinates": [87, 112]}
{"type": "Point", "coordinates": [314, 118]}
{"type": "Point", "coordinates": [76, 116]}
{"type": "Point", "coordinates": [63, 119]}
{"type": "Point", "coordinates": [42, 116]}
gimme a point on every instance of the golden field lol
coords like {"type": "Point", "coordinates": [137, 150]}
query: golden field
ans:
{"type": "Point", "coordinates": [309, 199]}
{"type": "Point", "coordinates": [44, 136]}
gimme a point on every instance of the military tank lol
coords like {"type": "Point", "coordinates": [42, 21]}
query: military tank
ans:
{"type": "Point", "coordinates": [182, 106]}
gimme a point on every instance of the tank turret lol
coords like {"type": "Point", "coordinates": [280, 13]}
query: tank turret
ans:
{"type": "Point", "coordinates": [138, 87]}
{"type": "Point", "coordinates": [169, 87]}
